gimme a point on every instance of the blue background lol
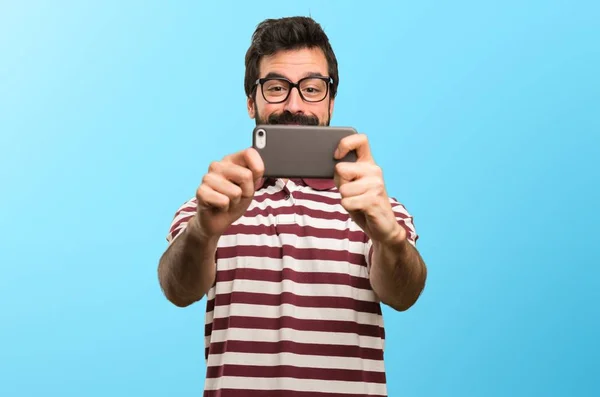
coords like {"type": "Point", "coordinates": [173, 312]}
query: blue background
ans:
{"type": "Point", "coordinates": [483, 115]}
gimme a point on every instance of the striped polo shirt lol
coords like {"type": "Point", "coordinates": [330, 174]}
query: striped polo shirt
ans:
{"type": "Point", "coordinates": [292, 312]}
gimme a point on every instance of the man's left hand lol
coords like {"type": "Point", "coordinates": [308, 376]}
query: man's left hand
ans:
{"type": "Point", "coordinates": [363, 192]}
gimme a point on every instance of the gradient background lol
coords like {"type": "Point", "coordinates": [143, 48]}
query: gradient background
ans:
{"type": "Point", "coordinates": [484, 118]}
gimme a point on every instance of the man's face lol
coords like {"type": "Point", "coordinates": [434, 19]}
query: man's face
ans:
{"type": "Point", "coordinates": [293, 66]}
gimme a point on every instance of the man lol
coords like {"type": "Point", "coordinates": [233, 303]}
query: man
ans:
{"type": "Point", "coordinates": [294, 270]}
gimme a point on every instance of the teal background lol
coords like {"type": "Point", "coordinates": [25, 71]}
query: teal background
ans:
{"type": "Point", "coordinates": [483, 115]}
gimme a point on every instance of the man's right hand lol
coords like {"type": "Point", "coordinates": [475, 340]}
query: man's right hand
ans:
{"type": "Point", "coordinates": [226, 192]}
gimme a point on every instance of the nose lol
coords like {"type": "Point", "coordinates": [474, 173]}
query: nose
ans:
{"type": "Point", "coordinates": [294, 103]}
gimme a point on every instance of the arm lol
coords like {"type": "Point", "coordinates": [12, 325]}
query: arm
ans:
{"type": "Point", "coordinates": [186, 270]}
{"type": "Point", "coordinates": [398, 272]}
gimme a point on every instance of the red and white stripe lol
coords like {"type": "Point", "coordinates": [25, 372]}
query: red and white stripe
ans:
{"type": "Point", "coordinates": [292, 312]}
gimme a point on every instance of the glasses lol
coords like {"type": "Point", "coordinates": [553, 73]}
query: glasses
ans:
{"type": "Point", "coordinates": [311, 89]}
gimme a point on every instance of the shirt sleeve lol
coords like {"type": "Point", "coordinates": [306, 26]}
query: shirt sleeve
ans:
{"type": "Point", "coordinates": [182, 216]}
{"type": "Point", "coordinates": [404, 219]}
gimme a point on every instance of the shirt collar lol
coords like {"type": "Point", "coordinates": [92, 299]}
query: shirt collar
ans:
{"type": "Point", "coordinates": [316, 184]}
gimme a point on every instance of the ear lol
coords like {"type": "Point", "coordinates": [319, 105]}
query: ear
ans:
{"type": "Point", "coordinates": [250, 105]}
{"type": "Point", "coordinates": [331, 102]}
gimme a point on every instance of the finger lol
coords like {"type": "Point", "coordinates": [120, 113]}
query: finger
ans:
{"type": "Point", "coordinates": [351, 171]}
{"type": "Point", "coordinates": [235, 174]}
{"type": "Point", "coordinates": [356, 203]}
{"type": "Point", "coordinates": [368, 203]}
{"type": "Point", "coordinates": [345, 173]}
{"type": "Point", "coordinates": [208, 198]}
{"type": "Point", "coordinates": [255, 163]}
{"type": "Point", "coordinates": [249, 158]}
{"type": "Point", "coordinates": [360, 186]}
{"type": "Point", "coordinates": [357, 142]}
{"type": "Point", "coordinates": [221, 185]}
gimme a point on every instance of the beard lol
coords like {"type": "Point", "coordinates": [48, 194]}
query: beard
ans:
{"type": "Point", "coordinates": [286, 117]}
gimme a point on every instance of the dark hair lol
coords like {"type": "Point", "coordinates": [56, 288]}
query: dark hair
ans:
{"type": "Point", "coordinates": [290, 33]}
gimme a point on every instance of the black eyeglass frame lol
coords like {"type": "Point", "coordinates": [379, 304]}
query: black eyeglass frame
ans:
{"type": "Point", "coordinates": [326, 79]}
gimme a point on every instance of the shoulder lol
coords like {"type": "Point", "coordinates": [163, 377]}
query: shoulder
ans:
{"type": "Point", "coordinates": [405, 219]}
{"type": "Point", "coordinates": [182, 216]}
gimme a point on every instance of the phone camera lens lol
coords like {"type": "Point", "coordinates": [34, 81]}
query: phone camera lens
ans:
{"type": "Point", "coordinates": [261, 133]}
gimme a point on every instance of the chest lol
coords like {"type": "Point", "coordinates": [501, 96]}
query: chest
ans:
{"type": "Point", "coordinates": [296, 244]}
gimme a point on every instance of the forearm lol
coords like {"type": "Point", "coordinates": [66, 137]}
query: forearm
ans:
{"type": "Point", "coordinates": [187, 269]}
{"type": "Point", "coordinates": [398, 273]}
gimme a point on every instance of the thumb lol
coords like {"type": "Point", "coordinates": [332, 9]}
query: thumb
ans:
{"type": "Point", "coordinates": [258, 183]}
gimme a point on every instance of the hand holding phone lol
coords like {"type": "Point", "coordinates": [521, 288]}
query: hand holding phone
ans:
{"type": "Point", "coordinates": [226, 191]}
{"type": "Point", "coordinates": [299, 151]}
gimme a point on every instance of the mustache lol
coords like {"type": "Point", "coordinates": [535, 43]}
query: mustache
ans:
{"type": "Point", "coordinates": [290, 118]}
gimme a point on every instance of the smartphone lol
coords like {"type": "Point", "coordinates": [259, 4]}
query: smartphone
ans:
{"type": "Point", "coordinates": [300, 151]}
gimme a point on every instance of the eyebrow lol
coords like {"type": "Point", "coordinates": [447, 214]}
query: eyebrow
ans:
{"type": "Point", "coordinates": [276, 75]}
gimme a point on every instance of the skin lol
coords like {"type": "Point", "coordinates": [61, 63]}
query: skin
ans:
{"type": "Point", "coordinates": [187, 269]}
{"type": "Point", "coordinates": [294, 65]}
